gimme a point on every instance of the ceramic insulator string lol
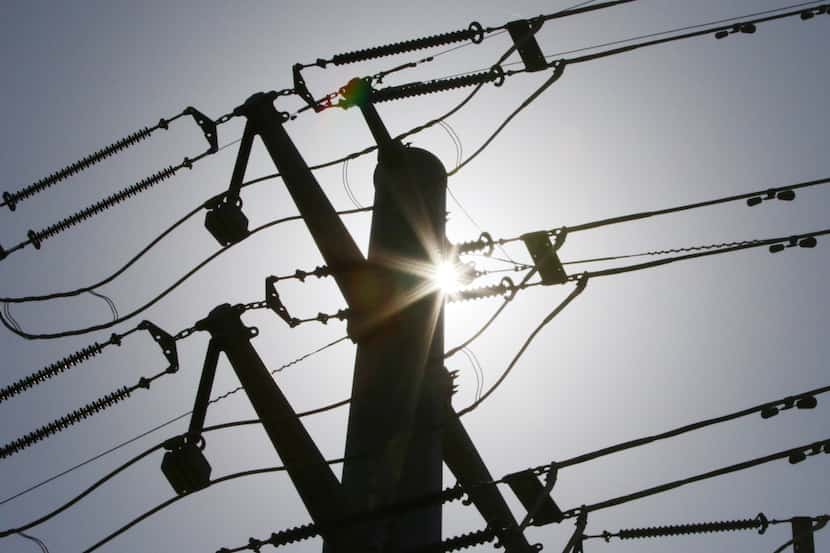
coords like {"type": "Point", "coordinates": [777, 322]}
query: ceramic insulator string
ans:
{"type": "Point", "coordinates": [474, 33]}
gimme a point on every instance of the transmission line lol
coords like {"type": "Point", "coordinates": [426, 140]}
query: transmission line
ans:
{"type": "Point", "coordinates": [172, 420]}
{"type": "Point", "coordinates": [794, 455]}
{"type": "Point", "coordinates": [580, 286]}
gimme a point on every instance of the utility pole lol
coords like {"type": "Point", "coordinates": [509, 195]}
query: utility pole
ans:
{"type": "Point", "coordinates": [402, 427]}
{"type": "Point", "coordinates": [400, 392]}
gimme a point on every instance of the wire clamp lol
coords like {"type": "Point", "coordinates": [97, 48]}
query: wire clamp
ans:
{"type": "Point", "coordinates": [800, 241]}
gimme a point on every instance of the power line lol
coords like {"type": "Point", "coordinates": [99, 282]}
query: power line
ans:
{"type": "Point", "coordinates": [38, 541]}
{"type": "Point", "coordinates": [804, 450]}
{"type": "Point", "coordinates": [747, 27]}
{"type": "Point", "coordinates": [765, 409]}
{"type": "Point", "coordinates": [580, 286]}
{"type": "Point", "coordinates": [492, 318]}
{"type": "Point", "coordinates": [181, 416]}
{"type": "Point", "coordinates": [647, 35]}
{"type": "Point", "coordinates": [138, 458]}
{"type": "Point", "coordinates": [161, 295]}
{"type": "Point", "coordinates": [741, 246]}
{"type": "Point", "coordinates": [803, 400]}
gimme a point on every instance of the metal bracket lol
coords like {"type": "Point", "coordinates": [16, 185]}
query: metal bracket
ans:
{"type": "Point", "coordinates": [541, 509]}
{"type": "Point", "coordinates": [544, 255]}
{"type": "Point", "coordinates": [522, 32]}
{"type": "Point", "coordinates": [208, 127]}
{"type": "Point", "coordinates": [272, 299]}
{"type": "Point", "coordinates": [301, 88]}
{"type": "Point", "coordinates": [166, 342]}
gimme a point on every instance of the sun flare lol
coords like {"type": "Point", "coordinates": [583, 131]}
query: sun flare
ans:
{"type": "Point", "coordinates": [446, 277]}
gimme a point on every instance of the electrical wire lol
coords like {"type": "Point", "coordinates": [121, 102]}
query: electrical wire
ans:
{"type": "Point", "coordinates": [476, 369]}
{"type": "Point", "coordinates": [782, 403]}
{"type": "Point", "coordinates": [742, 246]}
{"type": "Point", "coordinates": [557, 73]}
{"type": "Point", "coordinates": [785, 454]}
{"type": "Point", "coordinates": [580, 286]}
{"type": "Point", "coordinates": [492, 318]}
{"type": "Point", "coordinates": [38, 541]}
{"type": "Point", "coordinates": [183, 415]}
{"type": "Point", "coordinates": [197, 209]}
{"type": "Point", "coordinates": [696, 205]}
{"type": "Point", "coordinates": [644, 36]}
{"type": "Point", "coordinates": [174, 499]}
{"type": "Point", "coordinates": [108, 300]}
{"type": "Point", "coordinates": [660, 33]}
{"type": "Point", "coordinates": [656, 42]}
{"type": "Point", "coordinates": [658, 252]}
{"type": "Point", "coordinates": [165, 292]}
{"type": "Point", "coordinates": [100, 482]}
{"type": "Point", "coordinates": [353, 155]}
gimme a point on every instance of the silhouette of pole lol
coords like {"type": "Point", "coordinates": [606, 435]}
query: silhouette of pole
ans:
{"type": "Point", "coordinates": [401, 391]}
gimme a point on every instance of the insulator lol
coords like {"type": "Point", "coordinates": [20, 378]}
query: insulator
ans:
{"type": "Point", "coordinates": [474, 32]}
{"type": "Point", "coordinates": [504, 288]}
{"type": "Point", "coordinates": [291, 535]}
{"type": "Point", "coordinates": [483, 244]}
{"type": "Point", "coordinates": [37, 237]}
{"type": "Point", "coordinates": [12, 199]}
{"type": "Point", "coordinates": [760, 522]}
{"type": "Point", "coordinates": [52, 370]}
{"type": "Point", "coordinates": [462, 541]}
{"type": "Point", "coordinates": [64, 422]}
{"type": "Point", "coordinates": [496, 74]}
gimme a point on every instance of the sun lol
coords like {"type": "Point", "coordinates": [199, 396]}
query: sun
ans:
{"type": "Point", "coordinates": [446, 277]}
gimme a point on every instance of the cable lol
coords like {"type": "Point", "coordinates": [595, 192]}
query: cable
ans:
{"type": "Point", "coordinates": [113, 276]}
{"type": "Point", "coordinates": [141, 456]}
{"type": "Point", "coordinates": [108, 300]}
{"type": "Point", "coordinates": [347, 186]}
{"type": "Point", "coordinates": [677, 30]}
{"type": "Point", "coordinates": [745, 27]}
{"type": "Point", "coordinates": [766, 410]}
{"type": "Point", "coordinates": [580, 286]}
{"type": "Point", "coordinates": [742, 246]}
{"type": "Point", "coordinates": [197, 209]}
{"type": "Point", "coordinates": [120, 271]}
{"type": "Point", "coordinates": [476, 369]}
{"type": "Point", "coordinates": [165, 292]}
{"type": "Point", "coordinates": [643, 36]}
{"type": "Point", "coordinates": [249, 183]}
{"type": "Point", "coordinates": [660, 252]}
{"type": "Point", "coordinates": [38, 541]}
{"type": "Point", "coordinates": [183, 415]}
{"type": "Point", "coordinates": [769, 192]}
{"type": "Point", "coordinates": [172, 500]}
{"type": "Point", "coordinates": [558, 70]}
{"type": "Point", "coordinates": [813, 448]}
{"type": "Point", "coordinates": [492, 318]}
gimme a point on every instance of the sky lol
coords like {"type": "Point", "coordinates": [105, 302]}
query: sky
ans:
{"type": "Point", "coordinates": [634, 355]}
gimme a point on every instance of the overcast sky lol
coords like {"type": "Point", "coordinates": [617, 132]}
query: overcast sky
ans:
{"type": "Point", "coordinates": [633, 355]}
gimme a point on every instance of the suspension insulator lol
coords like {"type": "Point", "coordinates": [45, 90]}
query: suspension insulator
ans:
{"type": "Point", "coordinates": [13, 198]}
{"type": "Point", "coordinates": [291, 535]}
{"type": "Point", "coordinates": [37, 237]}
{"type": "Point", "coordinates": [760, 522]}
{"type": "Point", "coordinates": [64, 422]}
{"type": "Point", "coordinates": [494, 75]}
{"type": "Point", "coordinates": [52, 370]}
{"type": "Point", "coordinates": [474, 33]}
